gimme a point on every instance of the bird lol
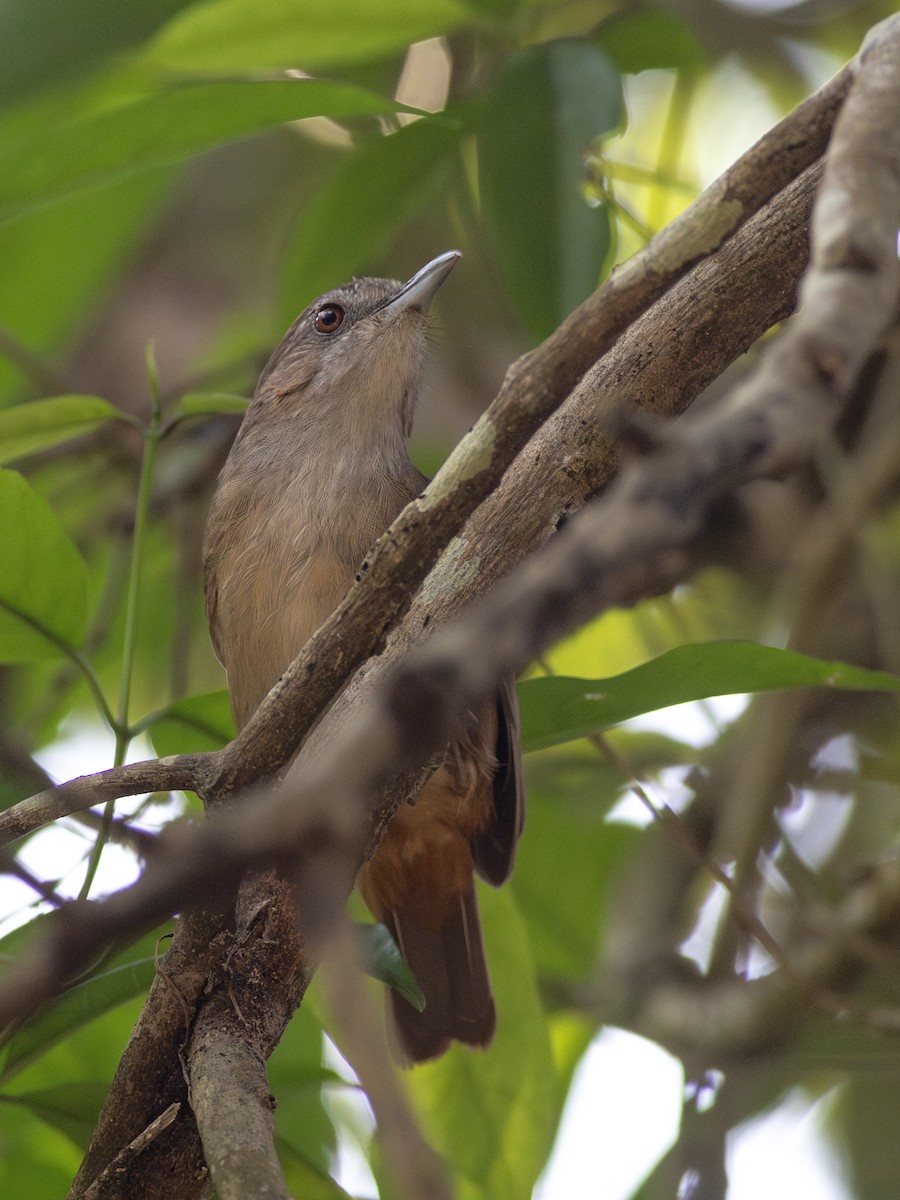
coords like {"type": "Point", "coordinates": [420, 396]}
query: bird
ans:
{"type": "Point", "coordinates": [318, 470]}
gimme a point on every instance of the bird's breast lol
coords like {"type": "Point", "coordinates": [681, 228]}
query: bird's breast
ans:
{"type": "Point", "coordinates": [289, 558]}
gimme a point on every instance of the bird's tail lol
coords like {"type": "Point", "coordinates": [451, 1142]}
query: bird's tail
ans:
{"type": "Point", "coordinates": [449, 964]}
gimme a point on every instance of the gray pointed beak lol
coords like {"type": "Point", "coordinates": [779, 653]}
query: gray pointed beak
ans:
{"type": "Point", "coordinates": [419, 291]}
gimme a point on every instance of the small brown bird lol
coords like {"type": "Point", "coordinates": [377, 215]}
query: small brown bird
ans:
{"type": "Point", "coordinates": [317, 472]}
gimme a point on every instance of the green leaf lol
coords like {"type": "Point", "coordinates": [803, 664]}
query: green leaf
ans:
{"type": "Point", "coordinates": [204, 404]}
{"type": "Point", "coordinates": [381, 958]}
{"type": "Point", "coordinates": [94, 147]}
{"type": "Point", "coordinates": [243, 35]}
{"type": "Point", "coordinates": [44, 580]}
{"type": "Point", "coordinates": [548, 105]}
{"type": "Point", "coordinates": [72, 1108]}
{"type": "Point", "coordinates": [42, 423]}
{"type": "Point", "coordinates": [373, 193]}
{"type": "Point", "coordinates": [568, 862]}
{"type": "Point", "coordinates": [36, 1158]}
{"type": "Point", "coordinates": [46, 40]}
{"type": "Point", "coordinates": [58, 260]}
{"type": "Point", "coordinates": [651, 40]}
{"type": "Point", "coordinates": [192, 726]}
{"type": "Point", "coordinates": [557, 709]}
{"type": "Point", "coordinates": [492, 1113]}
{"type": "Point", "coordinates": [304, 1126]}
{"type": "Point", "coordinates": [860, 1120]}
{"type": "Point", "coordinates": [303, 1178]}
{"type": "Point", "coordinates": [129, 975]}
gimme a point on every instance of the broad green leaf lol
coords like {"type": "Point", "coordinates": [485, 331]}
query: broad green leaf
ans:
{"type": "Point", "coordinates": [381, 958]}
{"type": "Point", "coordinates": [374, 192]}
{"type": "Point", "coordinates": [57, 261]}
{"type": "Point", "coordinates": [129, 975]}
{"type": "Point", "coordinates": [492, 1113]}
{"type": "Point", "coordinates": [303, 1124]}
{"type": "Point", "coordinates": [862, 1123]}
{"type": "Point", "coordinates": [44, 581]}
{"type": "Point", "coordinates": [191, 726]}
{"type": "Point", "coordinates": [72, 1108]}
{"type": "Point", "coordinates": [46, 40]}
{"type": "Point", "coordinates": [651, 40]}
{"type": "Point", "coordinates": [568, 861]}
{"type": "Point", "coordinates": [242, 35]}
{"type": "Point", "coordinates": [25, 428]}
{"type": "Point", "coordinates": [204, 404]}
{"type": "Point", "coordinates": [161, 129]}
{"type": "Point", "coordinates": [548, 104]}
{"type": "Point", "coordinates": [37, 1161]}
{"type": "Point", "coordinates": [557, 709]}
{"type": "Point", "coordinates": [303, 1178]}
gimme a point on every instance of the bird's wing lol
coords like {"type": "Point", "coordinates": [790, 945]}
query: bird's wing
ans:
{"type": "Point", "coordinates": [494, 850]}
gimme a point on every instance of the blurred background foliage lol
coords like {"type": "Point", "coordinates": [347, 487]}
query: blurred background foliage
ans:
{"type": "Point", "coordinates": [189, 175]}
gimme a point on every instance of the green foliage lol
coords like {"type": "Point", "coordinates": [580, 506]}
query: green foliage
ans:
{"type": "Point", "coordinates": [651, 40]}
{"type": "Point", "coordinates": [43, 591]}
{"type": "Point", "coordinates": [231, 35]}
{"type": "Point", "coordinates": [371, 195]}
{"type": "Point", "coordinates": [548, 105]}
{"type": "Point", "coordinates": [192, 726]}
{"type": "Point", "coordinates": [158, 179]}
{"type": "Point", "coordinates": [559, 709]}
{"type": "Point", "coordinates": [381, 958]}
{"type": "Point", "coordinates": [493, 1114]}
{"type": "Point", "coordinates": [43, 423]}
{"type": "Point", "coordinates": [128, 134]}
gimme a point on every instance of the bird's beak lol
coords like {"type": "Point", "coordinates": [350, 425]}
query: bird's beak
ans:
{"type": "Point", "coordinates": [419, 291]}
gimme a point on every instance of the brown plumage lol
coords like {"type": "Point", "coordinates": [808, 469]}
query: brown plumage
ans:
{"type": "Point", "coordinates": [318, 470]}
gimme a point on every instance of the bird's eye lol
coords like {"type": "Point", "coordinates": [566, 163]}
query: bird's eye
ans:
{"type": "Point", "coordinates": [329, 318]}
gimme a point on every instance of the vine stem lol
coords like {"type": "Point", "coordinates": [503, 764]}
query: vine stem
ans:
{"type": "Point", "coordinates": [121, 728]}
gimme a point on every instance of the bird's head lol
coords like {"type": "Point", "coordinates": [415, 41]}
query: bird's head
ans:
{"type": "Point", "coordinates": [357, 352]}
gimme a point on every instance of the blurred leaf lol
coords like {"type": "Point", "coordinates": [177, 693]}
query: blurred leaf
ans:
{"type": "Point", "coordinates": [161, 129]}
{"type": "Point", "coordinates": [303, 1178]}
{"type": "Point", "coordinates": [37, 1161]}
{"type": "Point", "coordinates": [651, 40]}
{"type": "Point", "coordinates": [548, 104]}
{"type": "Point", "coordinates": [44, 578]}
{"type": "Point", "coordinates": [192, 726]}
{"type": "Point", "coordinates": [862, 1120]}
{"type": "Point", "coordinates": [130, 974]}
{"type": "Point", "coordinates": [567, 864]}
{"type": "Point", "coordinates": [202, 404]}
{"type": "Point", "coordinates": [374, 192]}
{"type": "Point", "coordinates": [242, 35]}
{"type": "Point", "coordinates": [304, 1126]}
{"type": "Point", "coordinates": [25, 428]}
{"type": "Point", "coordinates": [381, 958]}
{"type": "Point", "coordinates": [72, 1108]}
{"type": "Point", "coordinates": [40, 300]}
{"type": "Point", "coordinates": [492, 1113]}
{"type": "Point", "coordinates": [46, 40]}
{"type": "Point", "coordinates": [556, 709]}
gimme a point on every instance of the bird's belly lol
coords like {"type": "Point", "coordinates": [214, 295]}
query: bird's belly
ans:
{"type": "Point", "coordinates": [271, 614]}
